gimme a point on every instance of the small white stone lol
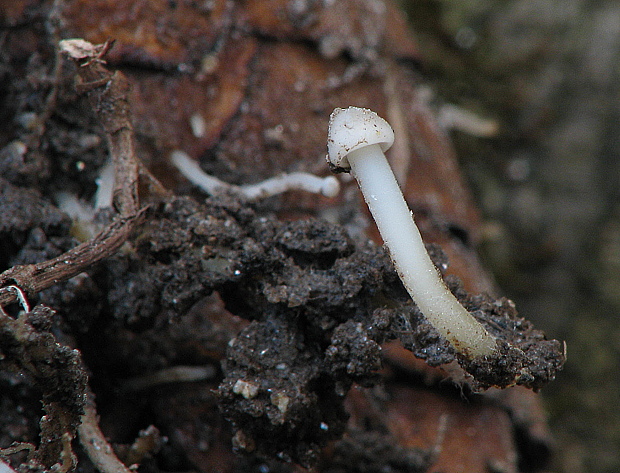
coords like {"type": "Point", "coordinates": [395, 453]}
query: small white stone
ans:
{"type": "Point", "coordinates": [245, 389]}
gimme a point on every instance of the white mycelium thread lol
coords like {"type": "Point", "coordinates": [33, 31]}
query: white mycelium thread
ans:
{"type": "Point", "coordinates": [327, 186]}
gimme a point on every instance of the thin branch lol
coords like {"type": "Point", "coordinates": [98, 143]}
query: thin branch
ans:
{"type": "Point", "coordinates": [108, 94]}
{"type": "Point", "coordinates": [95, 444]}
{"type": "Point", "coordinates": [33, 278]}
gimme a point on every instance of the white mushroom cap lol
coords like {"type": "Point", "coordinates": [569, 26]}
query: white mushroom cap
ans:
{"type": "Point", "coordinates": [354, 128]}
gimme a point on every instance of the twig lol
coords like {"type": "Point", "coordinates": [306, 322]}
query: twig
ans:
{"type": "Point", "coordinates": [17, 447]}
{"type": "Point", "coordinates": [33, 278]}
{"type": "Point", "coordinates": [12, 449]}
{"type": "Point", "coordinates": [108, 95]}
{"type": "Point", "coordinates": [95, 444]}
{"type": "Point", "coordinates": [20, 296]}
{"type": "Point", "coordinates": [39, 353]}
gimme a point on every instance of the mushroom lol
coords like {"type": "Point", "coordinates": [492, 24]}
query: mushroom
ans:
{"type": "Point", "coordinates": [357, 139]}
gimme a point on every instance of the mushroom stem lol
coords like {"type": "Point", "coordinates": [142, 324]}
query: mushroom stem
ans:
{"type": "Point", "coordinates": [413, 264]}
{"type": "Point", "coordinates": [364, 155]}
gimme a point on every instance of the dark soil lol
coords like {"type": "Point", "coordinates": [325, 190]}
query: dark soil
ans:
{"type": "Point", "coordinates": [317, 306]}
